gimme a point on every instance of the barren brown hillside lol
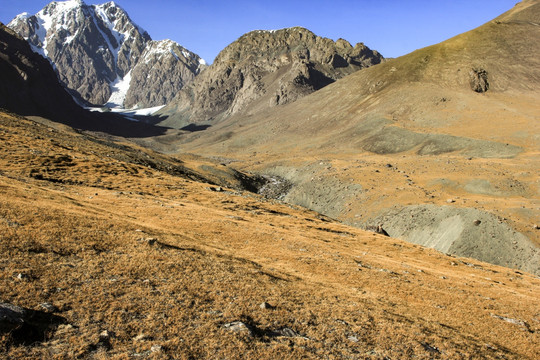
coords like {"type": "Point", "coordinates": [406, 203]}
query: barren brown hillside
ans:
{"type": "Point", "coordinates": [427, 144]}
{"type": "Point", "coordinates": [117, 252]}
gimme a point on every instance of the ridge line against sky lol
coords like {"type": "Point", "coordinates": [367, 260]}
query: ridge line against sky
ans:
{"type": "Point", "coordinates": [206, 27]}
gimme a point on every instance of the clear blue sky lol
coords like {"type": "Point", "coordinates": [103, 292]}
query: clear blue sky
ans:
{"type": "Point", "coordinates": [393, 27]}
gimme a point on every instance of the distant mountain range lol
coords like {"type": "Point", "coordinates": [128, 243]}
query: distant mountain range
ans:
{"type": "Point", "coordinates": [104, 58]}
{"type": "Point", "coordinates": [263, 69]}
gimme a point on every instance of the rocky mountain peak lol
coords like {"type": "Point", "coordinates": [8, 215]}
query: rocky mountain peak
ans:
{"type": "Point", "coordinates": [95, 50]}
{"type": "Point", "coordinates": [266, 68]}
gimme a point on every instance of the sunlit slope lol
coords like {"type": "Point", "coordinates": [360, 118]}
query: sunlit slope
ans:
{"type": "Point", "coordinates": [426, 102]}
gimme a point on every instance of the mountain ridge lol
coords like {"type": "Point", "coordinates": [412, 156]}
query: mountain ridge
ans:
{"type": "Point", "coordinates": [263, 69]}
{"type": "Point", "coordinates": [97, 49]}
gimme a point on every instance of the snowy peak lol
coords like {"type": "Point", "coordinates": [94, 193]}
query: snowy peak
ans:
{"type": "Point", "coordinates": [118, 21]}
{"type": "Point", "coordinates": [95, 48]}
{"type": "Point", "coordinates": [59, 18]}
{"type": "Point", "coordinates": [167, 48]}
{"type": "Point", "coordinates": [164, 68]}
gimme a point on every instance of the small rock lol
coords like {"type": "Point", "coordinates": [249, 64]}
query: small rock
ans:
{"type": "Point", "coordinates": [149, 241]}
{"type": "Point", "coordinates": [105, 339]}
{"type": "Point", "coordinates": [22, 276]}
{"type": "Point", "coordinates": [48, 307]}
{"type": "Point", "coordinates": [238, 326]}
{"type": "Point", "coordinates": [141, 337]}
{"type": "Point", "coordinates": [105, 335]}
{"type": "Point", "coordinates": [536, 227]}
{"type": "Point", "coordinates": [388, 165]}
{"type": "Point", "coordinates": [381, 231]}
{"type": "Point", "coordinates": [288, 332]}
{"type": "Point", "coordinates": [266, 305]}
{"type": "Point", "coordinates": [156, 348]}
{"type": "Point", "coordinates": [11, 317]}
{"type": "Point", "coordinates": [430, 348]}
{"type": "Point", "coordinates": [450, 201]}
{"type": "Point", "coordinates": [477, 222]}
{"type": "Point", "coordinates": [353, 339]}
{"type": "Point", "coordinates": [513, 321]}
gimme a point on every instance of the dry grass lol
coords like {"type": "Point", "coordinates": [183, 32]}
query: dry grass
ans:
{"type": "Point", "coordinates": [79, 234]}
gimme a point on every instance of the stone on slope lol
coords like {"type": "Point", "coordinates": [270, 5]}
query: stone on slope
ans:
{"type": "Point", "coordinates": [11, 317]}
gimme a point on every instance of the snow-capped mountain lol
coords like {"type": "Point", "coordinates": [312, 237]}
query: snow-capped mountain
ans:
{"type": "Point", "coordinates": [100, 54]}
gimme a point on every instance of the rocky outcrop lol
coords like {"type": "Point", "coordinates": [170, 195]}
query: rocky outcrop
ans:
{"type": "Point", "coordinates": [264, 69]}
{"type": "Point", "coordinates": [478, 79]}
{"type": "Point", "coordinates": [96, 48]}
{"type": "Point", "coordinates": [11, 317]}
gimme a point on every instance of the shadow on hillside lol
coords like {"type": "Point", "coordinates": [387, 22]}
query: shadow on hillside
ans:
{"type": "Point", "coordinates": [109, 123]}
{"type": "Point", "coordinates": [38, 326]}
{"type": "Point", "coordinates": [195, 127]}
{"type": "Point", "coordinates": [114, 124]}
{"type": "Point", "coordinates": [157, 119]}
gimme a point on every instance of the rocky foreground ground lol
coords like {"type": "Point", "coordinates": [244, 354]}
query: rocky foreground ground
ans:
{"type": "Point", "coordinates": [113, 251]}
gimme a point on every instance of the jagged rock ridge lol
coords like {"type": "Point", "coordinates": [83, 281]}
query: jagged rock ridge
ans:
{"type": "Point", "coordinates": [266, 68]}
{"type": "Point", "coordinates": [100, 54]}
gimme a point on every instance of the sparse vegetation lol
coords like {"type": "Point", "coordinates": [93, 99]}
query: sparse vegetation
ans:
{"type": "Point", "coordinates": [81, 243]}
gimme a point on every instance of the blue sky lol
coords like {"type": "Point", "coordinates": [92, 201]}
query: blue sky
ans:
{"type": "Point", "coordinates": [393, 27]}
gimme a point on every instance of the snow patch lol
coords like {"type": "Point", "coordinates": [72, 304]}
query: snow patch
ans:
{"type": "Point", "coordinates": [21, 17]}
{"type": "Point", "coordinates": [147, 111]}
{"type": "Point", "coordinates": [119, 89]}
{"type": "Point", "coordinates": [65, 6]}
{"type": "Point", "coordinates": [70, 38]}
{"type": "Point", "coordinates": [174, 54]}
{"type": "Point", "coordinates": [158, 48]}
{"type": "Point", "coordinates": [128, 114]}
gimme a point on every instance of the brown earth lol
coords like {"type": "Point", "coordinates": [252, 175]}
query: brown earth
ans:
{"type": "Point", "coordinates": [138, 259]}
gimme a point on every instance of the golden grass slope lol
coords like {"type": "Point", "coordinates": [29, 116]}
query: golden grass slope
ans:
{"type": "Point", "coordinates": [163, 264]}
